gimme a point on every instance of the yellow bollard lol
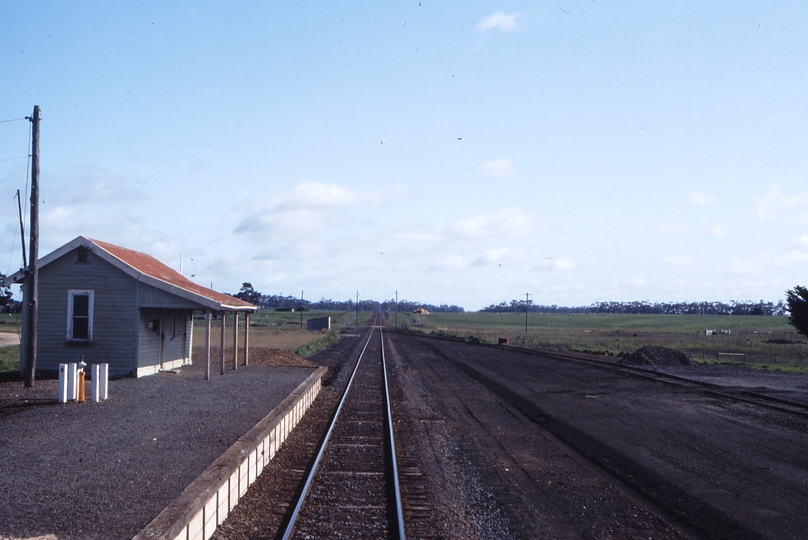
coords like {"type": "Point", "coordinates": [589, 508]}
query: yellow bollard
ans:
{"type": "Point", "coordinates": [81, 386]}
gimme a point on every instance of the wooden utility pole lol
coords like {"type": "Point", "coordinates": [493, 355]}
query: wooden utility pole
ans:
{"type": "Point", "coordinates": [31, 280]}
{"type": "Point", "coordinates": [396, 309]}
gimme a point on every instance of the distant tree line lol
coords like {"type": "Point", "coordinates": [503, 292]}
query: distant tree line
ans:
{"type": "Point", "coordinates": [7, 304]}
{"type": "Point", "coordinates": [406, 305]}
{"type": "Point", "coordinates": [664, 308]}
{"type": "Point", "coordinates": [283, 303]}
{"type": "Point", "coordinates": [518, 306]}
{"type": "Point", "coordinates": [746, 307]}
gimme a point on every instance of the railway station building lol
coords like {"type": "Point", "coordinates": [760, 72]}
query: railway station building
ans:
{"type": "Point", "coordinates": [108, 304]}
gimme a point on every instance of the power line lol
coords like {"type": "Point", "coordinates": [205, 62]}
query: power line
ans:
{"type": "Point", "coordinates": [27, 167]}
{"type": "Point", "coordinates": [13, 158]}
{"type": "Point", "coordinates": [13, 120]}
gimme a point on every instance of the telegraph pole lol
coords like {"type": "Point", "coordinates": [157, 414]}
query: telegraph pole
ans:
{"type": "Point", "coordinates": [396, 309]}
{"type": "Point", "coordinates": [301, 309]}
{"type": "Point", "coordinates": [31, 285]}
{"type": "Point", "coordinates": [356, 307]}
{"type": "Point", "coordinates": [527, 309]}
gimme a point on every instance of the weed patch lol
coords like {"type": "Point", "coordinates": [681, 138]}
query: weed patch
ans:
{"type": "Point", "coordinates": [312, 347]}
{"type": "Point", "coordinates": [10, 359]}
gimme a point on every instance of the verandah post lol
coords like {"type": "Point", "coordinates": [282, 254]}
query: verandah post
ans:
{"type": "Point", "coordinates": [207, 343]}
{"type": "Point", "coordinates": [247, 339]}
{"type": "Point", "coordinates": [223, 317]}
{"type": "Point", "coordinates": [235, 340]}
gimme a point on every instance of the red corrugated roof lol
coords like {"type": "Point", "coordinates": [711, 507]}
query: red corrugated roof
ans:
{"type": "Point", "coordinates": [148, 265]}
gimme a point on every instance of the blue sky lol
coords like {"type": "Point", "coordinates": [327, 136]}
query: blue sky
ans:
{"type": "Point", "coordinates": [457, 152]}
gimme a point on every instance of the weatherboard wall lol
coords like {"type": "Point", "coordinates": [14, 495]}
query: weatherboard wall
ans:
{"type": "Point", "coordinates": [169, 329]}
{"type": "Point", "coordinates": [113, 303]}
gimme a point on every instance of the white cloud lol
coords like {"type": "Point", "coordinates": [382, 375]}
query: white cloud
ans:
{"type": "Point", "coordinates": [308, 207]}
{"type": "Point", "coordinates": [510, 223]}
{"type": "Point", "coordinates": [500, 168]}
{"type": "Point", "coordinates": [671, 229]}
{"type": "Point", "coordinates": [701, 199]}
{"type": "Point", "coordinates": [451, 262]}
{"type": "Point", "coordinates": [319, 195]}
{"type": "Point", "coordinates": [506, 23]}
{"type": "Point", "coordinates": [678, 260]}
{"type": "Point", "coordinates": [420, 237]}
{"type": "Point", "coordinates": [763, 264]}
{"type": "Point", "coordinates": [491, 256]}
{"type": "Point", "coordinates": [718, 230]}
{"type": "Point", "coordinates": [88, 184]}
{"type": "Point", "coordinates": [774, 204]}
{"type": "Point", "coordinates": [562, 263]}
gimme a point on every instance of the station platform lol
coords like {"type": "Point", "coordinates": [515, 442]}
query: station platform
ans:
{"type": "Point", "coordinates": [108, 470]}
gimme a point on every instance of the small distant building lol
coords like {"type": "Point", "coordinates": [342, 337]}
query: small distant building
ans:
{"type": "Point", "coordinates": [114, 305]}
{"type": "Point", "coordinates": [318, 323]}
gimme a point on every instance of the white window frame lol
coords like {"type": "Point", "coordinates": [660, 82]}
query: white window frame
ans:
{"type": "Point", "coordinates": [71, 293]}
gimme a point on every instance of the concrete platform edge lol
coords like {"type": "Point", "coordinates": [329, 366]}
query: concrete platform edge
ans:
{"type": "Point", "coordinates": [207, 501]}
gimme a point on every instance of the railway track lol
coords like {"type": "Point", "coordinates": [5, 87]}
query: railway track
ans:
{"type": "Point", "coordinates": [736, 394]}
{"type": "Point", "coordinates": [352, 488]}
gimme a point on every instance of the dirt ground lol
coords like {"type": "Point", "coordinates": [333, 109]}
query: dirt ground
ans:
{"type": "Point", "coordinates": [520, 446]}
{"type": "Point", "coordinates": [8, 339]}
{"type": "Point", "coordinates": [257, 357]}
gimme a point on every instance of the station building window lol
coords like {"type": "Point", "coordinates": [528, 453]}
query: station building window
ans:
{"type": "Point", "coordinates": [80, 315]}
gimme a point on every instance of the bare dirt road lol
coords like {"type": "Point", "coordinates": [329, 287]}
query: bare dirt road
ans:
{"type": "Point", "coordinates": [7, 339]}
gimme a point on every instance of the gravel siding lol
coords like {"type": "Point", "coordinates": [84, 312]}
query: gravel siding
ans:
{"type": "Point", "coordinates": [105, 470]}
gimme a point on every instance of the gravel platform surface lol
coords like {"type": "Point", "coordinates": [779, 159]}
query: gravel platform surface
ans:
{"type": "Point", "coordinates": [105, 470]}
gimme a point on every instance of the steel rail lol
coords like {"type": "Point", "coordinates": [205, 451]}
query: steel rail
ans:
{"type": "Point", "coordinates": [296, 512]}
{"type": "Point", "coordinates": [754, 398]}
{"type": "Point", "coordinates": [392, 441]}
{"type": "Point", "coordinates": [289, 530]}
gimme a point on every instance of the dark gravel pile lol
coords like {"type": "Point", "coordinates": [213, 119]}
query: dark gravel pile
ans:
{"type": "Point", "coordinates": [105, 470]}
{"type": "Point", "coordinates": [258, 357]}
{"type": "Point", "coordinates": [654, 355]}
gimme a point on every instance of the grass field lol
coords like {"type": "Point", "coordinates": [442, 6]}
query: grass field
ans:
{"type": "Point", "coordinates": [9, 322]}
{"type": "Point", "coordinates": [759, 340]}
{"type": "Point", "coordinates": [282, 330]}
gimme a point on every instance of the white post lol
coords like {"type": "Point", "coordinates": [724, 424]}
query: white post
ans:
{"type": "Point", "coordinates": [62, 383]}
{"type": "Point", "coordinates": [72, 382]}
{"type": "Point", "coordinates": [103, 381]}
{"type": "Point", "coordinates": [96, 375]}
